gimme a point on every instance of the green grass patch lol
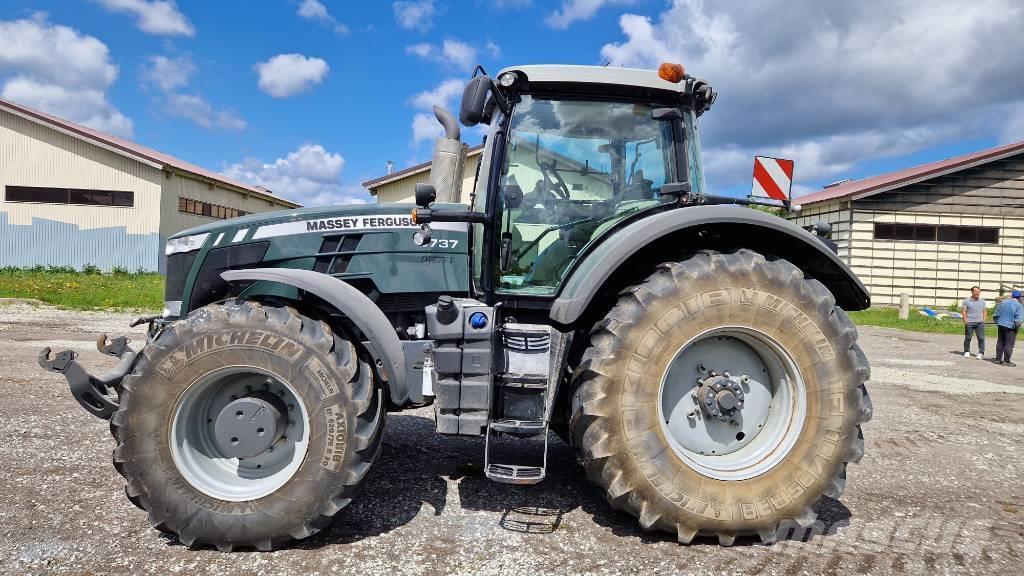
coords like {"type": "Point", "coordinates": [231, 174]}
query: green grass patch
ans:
{"type": "Point", "coordinates": [86, 290]}
{"type": "Point", "coordinates": [890, 318]}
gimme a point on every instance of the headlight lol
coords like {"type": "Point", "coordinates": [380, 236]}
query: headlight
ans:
{"type": "Point", "coordinates": [185, 244]}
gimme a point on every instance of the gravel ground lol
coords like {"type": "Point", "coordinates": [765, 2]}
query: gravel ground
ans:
{"type": "Point", "coordinates": [938, 491]}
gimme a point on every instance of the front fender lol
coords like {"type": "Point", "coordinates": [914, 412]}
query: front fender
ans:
{"type": "Point", "coordinates": [383, 344]}
{"type": "Point", "coordinates": [718, 227]}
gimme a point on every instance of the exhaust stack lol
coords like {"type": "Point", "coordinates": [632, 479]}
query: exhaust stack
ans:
{"type": "Point", "coordinates": [448, 164]}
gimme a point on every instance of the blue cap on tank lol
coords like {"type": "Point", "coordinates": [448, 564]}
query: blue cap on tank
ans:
{"type": "Point", "coordinates": [478, 320]}
{"type": "Point", "coordinates": [1016, 294]}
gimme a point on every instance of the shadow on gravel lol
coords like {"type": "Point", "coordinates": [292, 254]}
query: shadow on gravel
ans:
{"type": "Point", "coordinates": [416, 462]}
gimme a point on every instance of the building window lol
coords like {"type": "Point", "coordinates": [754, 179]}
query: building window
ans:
{"type": "Point", "coordinates": [935, 233]}
{"type": "Point", "coordinates": [78, 196]}
{"type": "Point", "coordinates": [200, 208]}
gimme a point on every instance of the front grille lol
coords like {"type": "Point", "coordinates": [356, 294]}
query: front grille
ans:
{"type": "Point", "coordinates": [178, 267]}
{"type": "Point", "coordinates": [336, 253]}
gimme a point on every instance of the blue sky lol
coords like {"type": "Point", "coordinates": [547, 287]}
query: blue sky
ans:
{"type": "Point", "coordinates": [309, 98]}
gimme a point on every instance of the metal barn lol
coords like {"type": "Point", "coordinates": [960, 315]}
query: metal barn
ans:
{"type": "Point", "coordinates": [931, 231]}
{"type": "Point", "coordinates": [73, 196]}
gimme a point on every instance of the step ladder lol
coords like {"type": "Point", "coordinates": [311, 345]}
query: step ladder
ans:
{"type": "Point", "coordinates": [516, 473]}
{"type": "Point", "coordinates": [529, 358]}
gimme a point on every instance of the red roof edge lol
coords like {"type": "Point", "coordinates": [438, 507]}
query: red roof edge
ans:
{"type": "Point", "coordinates": [912, 175]}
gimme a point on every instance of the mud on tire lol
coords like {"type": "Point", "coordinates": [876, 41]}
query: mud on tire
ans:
{"type": "Point", "coordinates": [343, 404]}
{"type": "Point", "coordinates": [617, 429]}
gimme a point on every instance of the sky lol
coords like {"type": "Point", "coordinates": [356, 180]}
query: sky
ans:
{"type": "Point", "coordinates": [308, 98]}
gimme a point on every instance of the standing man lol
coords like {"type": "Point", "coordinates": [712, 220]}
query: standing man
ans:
{"type": "Point", "coordinates": [974, 314]}
{"type": "Point", "coordinates": [1009, 316]}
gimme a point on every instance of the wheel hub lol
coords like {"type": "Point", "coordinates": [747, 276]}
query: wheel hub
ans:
{"type": "Point", "coordinates": [250, 425]}
{"type": "Point", "coordinates": [720, 397]}
{"type": "Point", "coordinates": [732, 427]}
{"type": "Point", "coordinates": [239, 457]}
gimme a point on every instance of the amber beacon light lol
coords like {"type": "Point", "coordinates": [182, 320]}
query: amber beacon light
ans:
{"type": "Point", "coordinates": [671, 72]}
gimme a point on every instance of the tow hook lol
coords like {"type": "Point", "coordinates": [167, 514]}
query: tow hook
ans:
{"type": "Point", "coordinates": [97, 394]}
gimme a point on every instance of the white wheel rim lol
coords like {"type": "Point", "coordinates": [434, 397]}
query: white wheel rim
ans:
{"type": "Point", "coordinates": [767, 425]}
{"type": "Point", "coordinates": [196, 455]}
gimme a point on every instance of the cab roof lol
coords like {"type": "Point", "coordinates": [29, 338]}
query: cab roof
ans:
{"type": "Point", "coordinates": [559, 73]}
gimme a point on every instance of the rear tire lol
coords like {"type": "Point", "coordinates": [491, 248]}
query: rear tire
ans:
{"type": "Point", "coordinates": [174, 472]}
{"type": "Point", "coordinates": [621, 401]}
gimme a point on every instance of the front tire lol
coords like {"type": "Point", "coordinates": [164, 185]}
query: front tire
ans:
{"type": "Point", "coordinates": [676, 440]}
{"type": "Point", "coordinates": [175, 464]}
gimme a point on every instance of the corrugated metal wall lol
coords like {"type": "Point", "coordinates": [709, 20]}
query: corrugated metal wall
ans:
{"type": "Point", "coordinates": [179, 185]}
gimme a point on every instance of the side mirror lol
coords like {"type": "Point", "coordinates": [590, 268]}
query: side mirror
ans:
{"type": "Point", "coordinates": [666, 114]}
{"type": "Point", "coordinates": [425, 195]}
{"type": "Point", "coordinates": [513, 196]}
{"type": "Point", "coordinates": [474, 100]}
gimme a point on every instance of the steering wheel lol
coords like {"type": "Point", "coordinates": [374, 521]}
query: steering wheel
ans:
{"type": "Point", "coordinates": [554, 179]}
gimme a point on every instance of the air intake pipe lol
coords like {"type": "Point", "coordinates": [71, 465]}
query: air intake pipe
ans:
{"type": "Point", "coordinates": [448, 164]}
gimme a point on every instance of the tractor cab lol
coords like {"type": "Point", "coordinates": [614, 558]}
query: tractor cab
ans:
{"type": "Point", "coordinates": [571, 152]}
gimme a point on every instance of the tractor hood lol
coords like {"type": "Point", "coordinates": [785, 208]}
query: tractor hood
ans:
{"type": "Point", "coordinates": [368, 245]}
{"type": "Point", "coordinates": [307, 214]}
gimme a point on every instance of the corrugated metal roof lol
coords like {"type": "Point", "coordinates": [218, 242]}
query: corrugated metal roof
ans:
{"type": "Point", "coordinates": [856, 189]}
{"type": "Point", "coordinates": [406, 172]}
{"type": "Point", "coordinates": [137, 151]}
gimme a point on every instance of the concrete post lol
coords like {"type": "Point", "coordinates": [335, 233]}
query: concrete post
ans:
{"type": "Point", "coordinates": [904, 306]}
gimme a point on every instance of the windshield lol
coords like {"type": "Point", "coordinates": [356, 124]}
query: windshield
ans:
{"type": "Point", "coordinates": [572, 169]}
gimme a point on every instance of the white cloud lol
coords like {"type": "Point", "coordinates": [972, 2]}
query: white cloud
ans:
{"type": "Point", "coordinates": [54, 53]}
{"type": "Point", "coordinates": [578, 10]}
{"type": "Point", "coordinates": [451, 52]}
{"type": "Point", "coordinates": [83, 105]}
{"type": "Point", "coordinates": [195, 108]}
{"type": "Point", "coordinates": [415, 14]}
{"type": "Point", "coordinates": [493, 49]}
{"type": "Point", "coordinates": [167, 74]}
{"type": "Point", "coordinates": [286, 75]}
{"type": "Point", "coordinates": [515, 4]}
{"type": "Point", "coordinates": [61, 71]}
{"type": "Point", "coordinates": [159, 17]}
{"type": "Point", "coordinates": [314, 10]}
{"type": "Point", "coordinates": [843, 83]}
{"type": "Point", "coordinates": [310, 176]}
{"type": "Point", "coordinates": [424, 126]}
{"type": "Point", "coordinates": [1013, 125]}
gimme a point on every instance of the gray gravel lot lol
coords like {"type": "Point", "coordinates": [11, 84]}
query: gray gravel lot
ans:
{"type": "Point", "coordinates": [938, 491]}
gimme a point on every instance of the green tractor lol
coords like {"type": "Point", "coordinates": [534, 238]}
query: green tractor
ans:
{"type": "Point", "coordinates": [693, 351]}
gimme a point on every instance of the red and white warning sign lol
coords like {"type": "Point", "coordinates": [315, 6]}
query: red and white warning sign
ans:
{"type": "Point", "coordinates": [773, 178]}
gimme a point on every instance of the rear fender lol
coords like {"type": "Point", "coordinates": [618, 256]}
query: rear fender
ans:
{"type": "Point", "coordinates": [383, 344]}
{"type": "Point", "coordinates": [674, 233]}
